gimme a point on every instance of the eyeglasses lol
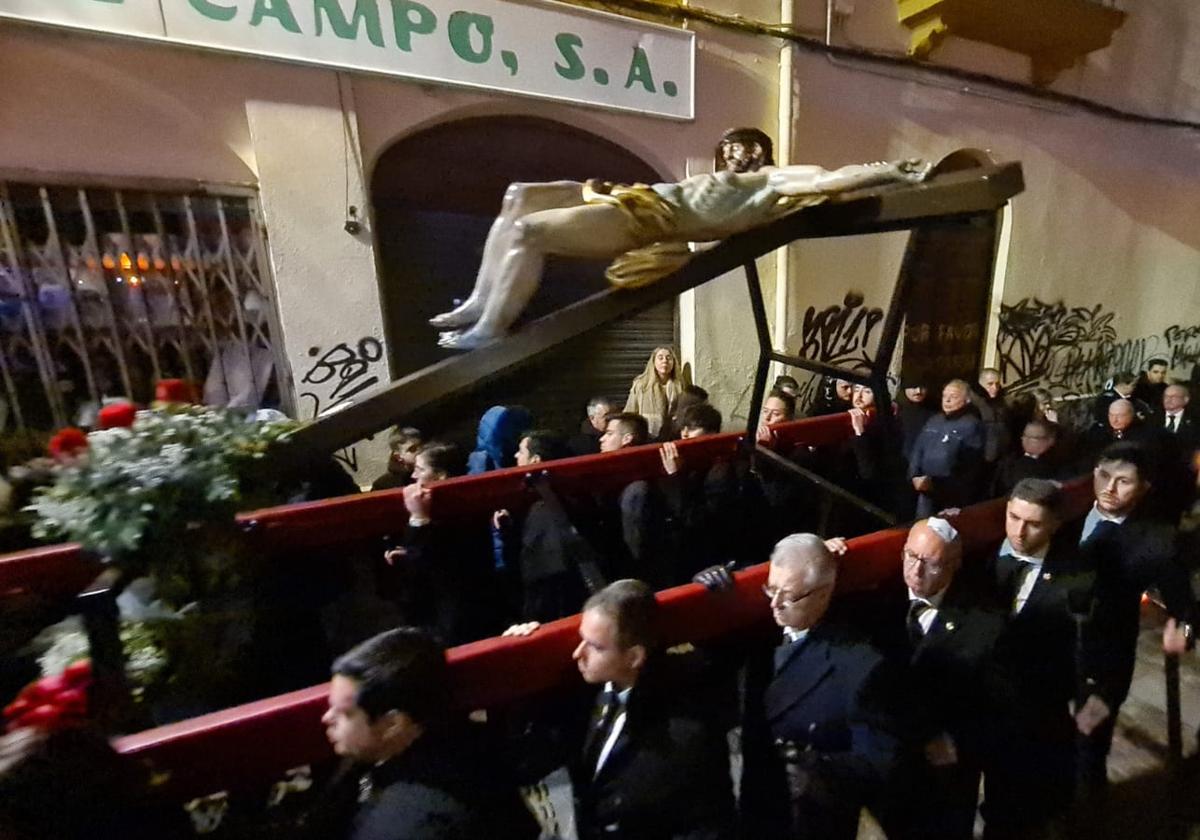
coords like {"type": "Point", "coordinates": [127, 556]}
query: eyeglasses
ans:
{"type": "Point", "coordinates": [786, 600]}
{"type": "Point", "coordinates": [932, 563]}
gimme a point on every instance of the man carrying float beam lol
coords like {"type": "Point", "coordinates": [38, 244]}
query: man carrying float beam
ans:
{"type": "Point", "coordinates": [645, 228]}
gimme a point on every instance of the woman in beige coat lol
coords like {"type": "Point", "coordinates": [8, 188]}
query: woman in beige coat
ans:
{"type": "Point", "coordinates": [655, 392]}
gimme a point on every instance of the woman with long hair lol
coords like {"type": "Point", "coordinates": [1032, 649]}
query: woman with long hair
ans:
{"type": "Point", "coordinates": [655, 392]}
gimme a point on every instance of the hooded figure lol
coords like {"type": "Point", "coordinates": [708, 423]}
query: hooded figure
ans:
{"type": "Point", "coordinates": [655, 392]}
{"type": "Point", "coordinates": [500, 431]}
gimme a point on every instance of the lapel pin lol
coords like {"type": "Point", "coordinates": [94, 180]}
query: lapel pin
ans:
{"type": "Point", "coordinates": [1046, 576]}
{"type": "Point", "coordinates": [949, 625]}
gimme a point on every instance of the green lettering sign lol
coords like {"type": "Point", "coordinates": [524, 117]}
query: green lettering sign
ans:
{"type": "Point", "coordinates": [406, 25]}
{"type": "Point", "coordinates": [639, 71]}
{"type": "Point", "coordinates": [365, 11]}
{"type": "Point", "coordinates": [459, 29]}
{"type": "Point", "coordinates": [568, 44]}
{"type": "Point", "coordinates": [213, 11]}
{"type": "Point", "coordinates": [278, 9]}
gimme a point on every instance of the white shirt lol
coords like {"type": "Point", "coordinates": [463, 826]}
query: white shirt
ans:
{"type": "Point", "coordinates": [618, 725]}
{"type": "Point", "coordinates": [927, 618]}
{"type": "Point", "coordinates": [791, 635]}
{"type": "Point", "coordinates": [1178, 415]}
{"type": "Point", "coordinates": [1095, 517]}
{"type": "Point", "coordinates": [1030, 573]}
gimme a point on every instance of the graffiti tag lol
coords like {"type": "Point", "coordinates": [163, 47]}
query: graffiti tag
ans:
{"type": "Point", "coordinates": [1074, 350]}
{"type": "Point", "coordinates": [342, 372]}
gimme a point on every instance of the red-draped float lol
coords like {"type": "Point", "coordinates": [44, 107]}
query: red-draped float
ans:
{"type": "Point", "coordinates": [240, 747]}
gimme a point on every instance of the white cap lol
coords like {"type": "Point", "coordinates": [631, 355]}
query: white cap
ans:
{"type": "Point", "coordinates": [942, 528]}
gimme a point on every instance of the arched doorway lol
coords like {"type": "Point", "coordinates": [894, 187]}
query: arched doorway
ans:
{"type": "Point", "coordinates": [434, 197]}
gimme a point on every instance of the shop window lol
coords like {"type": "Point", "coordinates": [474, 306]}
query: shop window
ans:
{"type": "Point", "coordinates": [104, 292]}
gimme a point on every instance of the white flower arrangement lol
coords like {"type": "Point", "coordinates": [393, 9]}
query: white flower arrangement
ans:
{"type": "Point", "coordinates": [137, 492]}
{"type": "Point", "coordinates": [145, 659]}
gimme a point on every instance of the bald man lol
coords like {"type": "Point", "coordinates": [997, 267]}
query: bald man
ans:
{"type": "Point", "coordinates": [1122, 423]}
{"type": "Point", "coordinates": [820, 736]}
{"type": "Point", "coordinates": [954, 690]}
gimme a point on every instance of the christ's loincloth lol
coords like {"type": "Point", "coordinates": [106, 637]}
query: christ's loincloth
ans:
{"type": "Point", "coordinates": [707, 207]}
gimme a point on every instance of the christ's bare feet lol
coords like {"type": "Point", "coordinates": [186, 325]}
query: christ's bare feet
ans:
{"type": "Point", "coordinates": [463, 315]}
{"type": "Point", "coordinates": [465, 339]}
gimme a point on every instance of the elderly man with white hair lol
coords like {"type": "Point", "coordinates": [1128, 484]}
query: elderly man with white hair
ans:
{"type": "Point", "coordinates": [818, 738]}
{"type": "Point", "coordinates": [944, 464]}
{"type": "Point", "coordinates": [954, 691]}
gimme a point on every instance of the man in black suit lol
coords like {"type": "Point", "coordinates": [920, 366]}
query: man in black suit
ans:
{"type": "Point", "coordinates": [704, 506]}
{"type": "Point", "coordinates": [655, 760]}
{"type": "Point", "coordinates": [954, 691]}
{"type": "Point", "coordinates": [1152, 382]}
{"type": "Point", "coordinates": [1122, 424]}
{"type": "Point", "coordinates": [1178, 437]}
{"type": "Point", "coordinates": [413, 772]}
{"type": "Point", "coordinates": [1120, 388]}
{"type": "Point", "coordinates": [1040, 579]}
{"type": "Point", "coordinates": [541, 546]}
{"type": "Point", "coordinates": [818, 736]}
{"type": "Point", "coordinates": [639, 518]}
{"type": "Point", "coordinates": [1174, 419]}
{"type": "Point", "coordinates": [587, 442]}
{"type": "Point", "coordinates": [1035, 460]}
{"type": "Point", "coordinates": [1132, 552]}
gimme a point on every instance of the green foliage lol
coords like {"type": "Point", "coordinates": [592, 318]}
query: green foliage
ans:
{"type": "Point", "coordinates": [159, 498]}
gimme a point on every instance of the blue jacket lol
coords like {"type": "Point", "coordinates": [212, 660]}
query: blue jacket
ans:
{"type": "Point", "coordinates": [500, 431]}
{"type": "Point", "coordinates": [947, 445]}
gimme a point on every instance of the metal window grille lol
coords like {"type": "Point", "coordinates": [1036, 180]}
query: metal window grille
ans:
{"type": "Point", "coordinates": [105, 291]}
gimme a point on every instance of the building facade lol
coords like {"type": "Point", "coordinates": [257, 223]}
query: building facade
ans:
{"type": "Point", "coordinates": [1098, 270]}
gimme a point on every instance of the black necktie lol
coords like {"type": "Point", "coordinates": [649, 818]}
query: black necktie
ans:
{"type": "Point", "coordinates": [1025, 568]}
{"type": "Point", "coordinates": [916, 609]}
{"type": "Point", "coordinates": [606, 716]}
{"type": "Point", "coordinates": [1171, 423]}
{"type": "Point", "coordinates": [1013, 581]}
{"type": "Point", "coordinates": [784, 652]}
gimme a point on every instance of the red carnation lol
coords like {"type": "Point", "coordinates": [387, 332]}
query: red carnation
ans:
{"type": "Point", "coordinates": [52, 702]}
{"type": "Point", "coordinates": [68, 443]}
{"type": "Point", "coordinates": [176, 391]}
{"type": "Point", "coordinates": [117, 416]}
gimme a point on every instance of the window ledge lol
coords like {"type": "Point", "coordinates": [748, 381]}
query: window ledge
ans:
{"type": "Point", "coordinates": [1055, 34]}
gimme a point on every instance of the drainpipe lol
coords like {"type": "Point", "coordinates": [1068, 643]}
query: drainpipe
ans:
{"type": "Point", "coordinates": [783, 156]}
